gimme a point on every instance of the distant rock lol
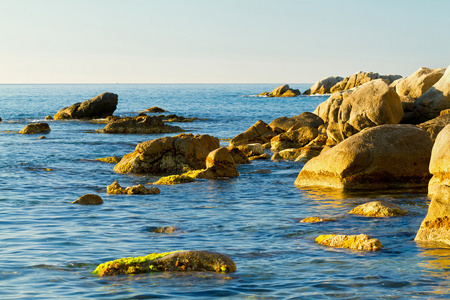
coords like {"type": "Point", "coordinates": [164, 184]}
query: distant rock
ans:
{"type": "Point", "coordinates": [42, 137]}
{"type": "Point", "coordinates": [434, 100]}
{"type": "Point", "coordinates": [317, 220]}
{"type": "Point", "coordinates": [260, 132]}
{"type": "Point", "coordinates": [48, 118]}
{"type": "Point", "coordinates": [89, 199]}
{"type": "Point", "coordinates": [356, 242]}
{"type": "Point", "coordinates": [282, 91]}
{"type": "Point", "coordinates": [180, 261]}
{"type": "Point", "coordinates": [413, 86]}
{"type": "Point", "coordinates": [169, 155]}
{"type": "Point", "coordinates": [324, 85]}
{"type": "Point", "coordinates": [100, 106]}
{"type": "Point", "coordinates": [140, 125]}
{"type": "Point", "coordinates": [386, 156]}
{"type": "Point", "coordinates": [378, 209]}
{"type": "Point", "coordinates": [35, 128]}
{"type": "Point", "coordinates": [155, 109]}
{"type": "Point", "coordinates": [115, 188]}
{"type": "Point", "coordinates": [369, 105]}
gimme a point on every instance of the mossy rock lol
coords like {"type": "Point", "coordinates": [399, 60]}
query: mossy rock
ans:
{"type": "Point", "coordinates": [181, 261]}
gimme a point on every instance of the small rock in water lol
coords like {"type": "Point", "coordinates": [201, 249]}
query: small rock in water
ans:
{"type": "Point", "coordinates": [355, 242]}
{"type": "Point", "coordinates": [35, 128]}
{"type": "Point", "coordinates": [110, 159]}
{"type": "Point", "coordinates": [115, 188]}
{"type": "Point", "coordinates": [317, 220]}
{"type": "Point", "coordinates": [89, 199]}
{"type": "Point", "coordinates": [155, 109]}
{"type": "Point", "coordinates": [42, 137]}
{"type": "Point", "coordinates": [48, 118]}
{"type": "Point", "coordinates": [164, 229]}
{"type": "Point", "coordinates": [378, 209]}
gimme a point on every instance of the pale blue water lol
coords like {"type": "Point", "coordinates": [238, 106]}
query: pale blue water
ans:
{"type": "Point", "coordinates": [49, 247]}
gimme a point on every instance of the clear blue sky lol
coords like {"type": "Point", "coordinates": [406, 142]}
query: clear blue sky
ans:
{"type": "Point", "coordinates": [218, 41]}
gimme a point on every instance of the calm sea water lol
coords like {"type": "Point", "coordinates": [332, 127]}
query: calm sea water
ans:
{"type": "Point", "coordinates": [49, 247]}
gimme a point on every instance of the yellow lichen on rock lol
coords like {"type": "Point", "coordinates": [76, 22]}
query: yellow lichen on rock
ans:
{"type": "Point", "coordinates": [355, 242]}
{"type": "Point", "coordinates": [177, 179]}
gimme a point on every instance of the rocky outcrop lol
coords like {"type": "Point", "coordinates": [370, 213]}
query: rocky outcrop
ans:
{"type": "Point", "coordinates": [169, 155]}
{"type": "Point", "coordinates": [260, 132]}
{"type": "Point", "coordinates": [436, 225]}
{"type": "Point", "coordinates": [356, 242]}
{"type": "Point", "coordinates": [361, 78]}
{"type": "Point", "coordinates": [100, 106]}
{"type": "Point", "coordinates": [434, 126]}
{"type": "Point", "coordinates": [282, 91]}
{"type": "Point", "coordinates": [141, 125]}
{"type": "Point", "coordinates": [387, 156]}
{"type": "Point", "coordinates": [115, 188]}
{"type": "Point", "coordinates": [219, 164]}
{"type": "Point", "coordinates": [413, 86]}
{"type": "Point", "coordinates": [181, 261]}
{"type": "Point", "coordinates": [324, 85]}
{"type": "Point", "coordinates": [294, 139]}
{"type": "Point", "coordinates": [378, 209]}
{"type": "Point", "coordinates": [35, 128]}
{"type": "Point", "coordinates": [369, 105]}
{"type": "Point", "coordinates": [434, 100]}
{"type": "Point", "coordinates": [89, 199]}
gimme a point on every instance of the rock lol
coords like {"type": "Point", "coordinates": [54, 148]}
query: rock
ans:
{"type": "Point", "coordinates": [164, 229]}
{"type": "Point", "coordinates": [306, 119]}
{"type": "Point", "coordinates": [378, 209]}
{"type": "Point", "coordinates": [281, 91]}
{"type": "Point", "coordinates": [141, 125]}
{"type": "Point", "coordinates": [187, 177]}
{"type": "Point", "coordinates": [1, 120]}
{"type": "Point", "coordinates": [48, 118]}
{"type": "Point", "coordinates": [286, 154]}
{"type": "Point", "coordinates": [219, 164]}
{"type": "Point", "coordinates": [444, 112]}
{"type": "Point", "coordinates": [282, 124]}
{"type": "Point", "coordinates": [355, 242]}
{"type": "Point", "coordinates": [387, 156]}
{"type": "Point", "coordinates": [324, 85]}
{"type": "Point", "coordinates": [35, 128]}
{"type": "Point", "coordinates": [308, 152]}
{"type": "Point", "coordinates": [278, 91]}
{"type": "Point", "coordinates": [361, 78]}
{"type": "Point", "coordinates": [100, 106]}
{"type": "Point", "coordinates": [369, 105]}
{"type": "Point", "coordinates": [169, 261]}
{"type": "Point", "coordinates": [331, 106]}
{"type": "Point", "coordinates": [115, 188]}
{"type": "Point", "coordinates": [260, 157]}
{"type": "Point", "coordinates": [413, 86]}
{"type": "Point", "coordinates": [434, 100]}
{"type": "Point", "coordinates": [290, 93]}
{"type": "Point", "coordinates": [155, 109]}
{"type": "Point", "coordinates": [436, 225]}
{"type": "Point", "coordinates": [169, 155]}
{"type": "Point", "coordinates": [176, 119]}
{"type": "Point", "coordinates": [260, 132]}
{"type": "Point", "coordinates": [238, 156]}
{"type": "Point", "coordinates": [434, 126]}
{"type": "Point", "coordinates": [42, 137]}
{"type": "Point", "coordinates": [110, 159]}
{"type": "Point", "coordinates": [89, 199]}
{"type": "Point", "coordinates": [320, 140]}
{"type": "Point", "coordinates": [294, 139]}
{"type": "Point", "coordinates": [317, 220]}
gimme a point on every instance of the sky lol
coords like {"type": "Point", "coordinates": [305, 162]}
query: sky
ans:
{"type": "Point", "coordinates": [218, 41]}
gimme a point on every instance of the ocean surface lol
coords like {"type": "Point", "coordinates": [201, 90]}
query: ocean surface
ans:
{"type": "Point", "coordinates": [49, 247]}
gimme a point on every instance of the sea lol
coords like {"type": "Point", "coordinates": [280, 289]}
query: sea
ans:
{"type": "Point", "coordinates": [49, 247]}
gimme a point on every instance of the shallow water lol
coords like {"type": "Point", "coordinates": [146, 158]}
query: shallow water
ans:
{"type": "Point", "coordinates": [49, 247]}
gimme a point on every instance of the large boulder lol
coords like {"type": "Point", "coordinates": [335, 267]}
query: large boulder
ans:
{"type": "Point", "coordinates": [436, 225]}
{"type": "Point", "coordinates": [369, 105]}
{"type": "Point", "coordinates": [434, 100]}
{"type": "Point", "coordinates": [169, 155]}
{"type": "Point", "coordinates": [181, 261]}
{"type": "Point", "coordinates": [35, 128]}
{"type": "Point", "coordinates": [324, 85]}
{"type": "Point", "coordinates": [413, 86]}
{"type": "Point", "coordinates": [385, 156]}
{"type": "Point", "coordinates": [219, 164]}
{"type": "Point", "coordinates": [140, 124]}
{"type": "Point", "coordinates": [260, 132]}
{"type": "Point", "coordinates": [100, 106]}
{"type": "Point", "coordinates": [361, 78]}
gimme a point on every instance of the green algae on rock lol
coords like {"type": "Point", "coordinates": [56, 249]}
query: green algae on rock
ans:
{"type": "Point", "coordinates": [168, 261]}
{"type": "Point", "coordinates": [355, 242]}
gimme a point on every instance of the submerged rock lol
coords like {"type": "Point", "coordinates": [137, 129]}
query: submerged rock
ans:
{"type": "Point", "coordinates": [378, 209]}
{"type": "Point", "coordinates": [89, 199]}
{"type": "Point", "coordinates": [387, 156]}
{"type": "Point", "coordinates": [169, 155]}
{"type": "Point", "coordinates": [180, 261]}
{"type": "Point", "coordinates": [115, 188]}
{"type": "Point", "coordinates": [110, 159]}
{"type": "Point", "coordinates": [164, 229]}
{"type": "Point", "coordinates": [141, 125]}
{"type": "Point", "coordinates": [355, 242]}
{"type": "Point", "coordinates": [100, 106]}
{"type": "Point", "coordinates": [155, 109]}
{"type": "Point", "coordinates": [35, 128]}
{"type": "Point", "coordinates": [317, 220]}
